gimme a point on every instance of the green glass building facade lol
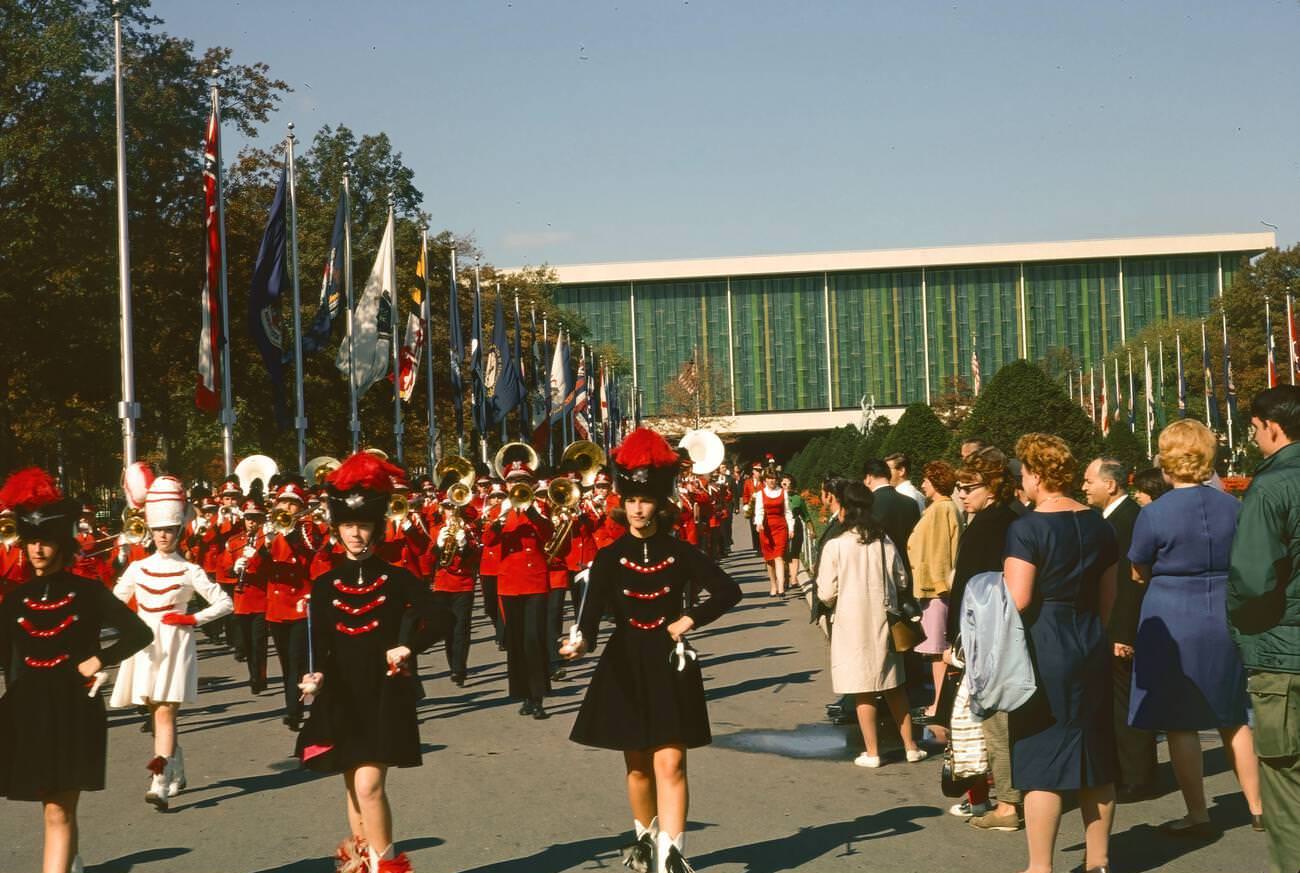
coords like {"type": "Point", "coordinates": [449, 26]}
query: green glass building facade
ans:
{"type": "Point", "coordinates": [784, 336]}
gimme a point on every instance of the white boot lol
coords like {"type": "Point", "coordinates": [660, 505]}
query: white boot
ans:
{"type": "Point", "coordinates": [640, 856]}
{"type": "Point", "coordinates": [77, 866]}
{"type": "Point", "coordinates": [157, 794]}
{"type": "Point", "coordinates": [669, 854]}
{"type": "Point", "coordinates": [176, 781]}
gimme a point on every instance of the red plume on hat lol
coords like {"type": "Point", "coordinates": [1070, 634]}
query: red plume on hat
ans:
{"type": "Point", "coordinates": [366, 472]}
{"type": "Point", "coordinates": [644, 448]}
{"type": "Point", "coordinates": [29, 488]}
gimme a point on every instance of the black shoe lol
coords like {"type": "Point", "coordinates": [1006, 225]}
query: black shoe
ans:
{"type": "Point", "coordinates": [540, 713]}
{"type": "Point", "coordinates": [527, 708]}
{"type": "Point", "coordinates": [458, 679]}
{"type": "Point", "coordinates": [558, 675]}
{"type": "Point", "coordinates": [240, 658]}
{"type": "Point", "coordinates": [292, 723]}
{"type": "Point", "coordinates": [640, 856]}
{"type": "Point", "coordinates": [1134, 793]}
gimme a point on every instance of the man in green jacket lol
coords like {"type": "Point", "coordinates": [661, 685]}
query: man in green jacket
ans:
{"type": "Point", "coordinates": [1264, 611]}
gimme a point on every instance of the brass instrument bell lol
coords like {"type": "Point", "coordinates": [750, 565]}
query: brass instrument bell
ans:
{"type": "Point", "coordinates": [8, 531]}
{"type": "Point", "coordinates": [584, 458]}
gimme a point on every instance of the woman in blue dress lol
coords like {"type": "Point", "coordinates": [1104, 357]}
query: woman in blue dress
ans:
{"type": "Point", "coordinates": [1187, 674]}
{"type": "Point", "coordinates": [1059, 569]}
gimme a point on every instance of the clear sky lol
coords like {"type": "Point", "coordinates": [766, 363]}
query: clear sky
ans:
{"type": "Point", "coordinates": [571, 131]}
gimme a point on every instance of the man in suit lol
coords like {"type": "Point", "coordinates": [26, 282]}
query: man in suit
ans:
{"type": "Point", "coordinates": [1105, 485]}
{"type": "Point", "coordinates": [897, 513]}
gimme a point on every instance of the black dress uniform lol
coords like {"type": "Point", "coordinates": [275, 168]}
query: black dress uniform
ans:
{"type": "Point", "coordinates": [638, 699]}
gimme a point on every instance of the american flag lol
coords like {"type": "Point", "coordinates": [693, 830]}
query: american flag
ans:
{"type": "Point", "coordinates": [206, 394]}
{"type": "Point", "coordinates": [581, 398]}
{"type": "Point", "coordinates": [1105, 404]}
{"type": "Point", "coordinates": [974, 367]}
{"type": "Point", "coordinates": [687, 378]}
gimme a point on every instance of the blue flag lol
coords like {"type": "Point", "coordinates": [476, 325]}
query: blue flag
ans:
{"type": "Point", "coordinates": [478, 396]}
{"type": "Point", "coordinates": [317, 335]}
{"type": "Point", "coordinates": [455, 351]}
{"type": "Point", "coordinates": [502, 382]}
{"type": "Point", "coordinates": [269, 280]}
{"type": "Point", "coordinates": [1211, 398]}
{"type": "Point", "coordinates": [525, 417]}
{"type": "Point", "coordinates": [1229, 386]}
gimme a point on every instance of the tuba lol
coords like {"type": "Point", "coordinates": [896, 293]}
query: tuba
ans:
{"type": "Point", "coordinates": [455, 475]}
{"type": "Point", "coordinates": [521, 494]}
{"type": "Point", "coordinates": [705, 450]}
{"type": "Point", "coordinates": [584, 458]}
{"type": "Point", "coordinates": [319, 469]}
{"type": "Point", "coordinates": [255, 468]}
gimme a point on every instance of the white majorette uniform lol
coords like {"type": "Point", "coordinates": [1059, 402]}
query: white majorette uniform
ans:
{"type": "Point", "coordinates": [166, 670]}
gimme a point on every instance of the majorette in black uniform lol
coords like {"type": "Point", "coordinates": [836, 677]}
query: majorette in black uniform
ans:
{"type": "Point", "coordinates": [364, 712]}
{"type": "Point", "coordinates": [53, 732]}
{"type": "Point", "coordinates": [646, 691]}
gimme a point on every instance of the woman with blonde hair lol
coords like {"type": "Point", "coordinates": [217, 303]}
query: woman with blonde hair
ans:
{"type": "Point", "coordinates": [1059, 569]}
{"type": "Point", "coordinates": [1187, 674]}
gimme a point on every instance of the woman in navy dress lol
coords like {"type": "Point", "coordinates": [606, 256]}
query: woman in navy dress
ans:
{"type": "Point", "coordinates": [1187, 674]}
{"type": "Point", "coordinates": [1059, 569]}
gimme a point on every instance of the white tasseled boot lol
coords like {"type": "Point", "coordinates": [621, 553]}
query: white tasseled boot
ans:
{"type": "Point", "coordinates": [159, 768]}
{"type": "Point", "coordinates": [176, 780]}
{"type": "Point", "coordinates": [669, 854]}
{"type": "Point", "coordinates": [640, 856]}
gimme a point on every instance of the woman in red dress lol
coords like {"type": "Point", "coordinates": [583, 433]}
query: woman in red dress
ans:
{"type": "Point", "coordinates": [774, 521]}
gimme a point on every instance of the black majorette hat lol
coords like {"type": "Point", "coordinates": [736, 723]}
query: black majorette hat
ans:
{"type": "Point", "coordinates": [40, 509]}
{"type": "Point", "coordinates": [360, 489]}
{"type": "Point", "coordinates": [646, 466]}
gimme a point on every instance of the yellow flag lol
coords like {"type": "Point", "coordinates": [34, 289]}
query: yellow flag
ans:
{"type": "Point", "coordinates": [417, 294]}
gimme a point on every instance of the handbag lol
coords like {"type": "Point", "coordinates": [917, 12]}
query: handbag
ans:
{"type": "Point", "coordinates": [903, 616]}
{"type": "Point", "coordinates": [966, 757]}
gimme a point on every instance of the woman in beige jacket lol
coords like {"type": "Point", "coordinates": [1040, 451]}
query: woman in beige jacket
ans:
{"type": "Point", "coordinates": [932, 553]}
{"type": "Point", "coordinates": [859, 573]}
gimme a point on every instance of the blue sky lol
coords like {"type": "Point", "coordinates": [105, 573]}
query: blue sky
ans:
{"type": "Point", "coordinates": [572, 131]}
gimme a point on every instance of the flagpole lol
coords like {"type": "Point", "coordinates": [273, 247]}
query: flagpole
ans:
{"type": "Point", "coordinates": [505, 433]}
{"type": "Point", "coordinates": [457, 357]}
{"type": "Point", "coordinates": [227, 400]}
{"type": "Point", "coordinates": [301, 419]}
{"type": "Point", "coordinates": [479, 396]}
{"type": "Point", "coordinates": [1205, 357]}
{"type": "Point", "coordinates": [128, 410]}
{"type": "Point", "coordinates": [354, 420]}
{"type": "Point", "coordinates": [1146, 354]}
{"type": "Point", "coordinates": [394, 355]}
{"type": "Point", "coordinates": [427, 313]}
{"type": "Point", "coordinates": [1227, 381]}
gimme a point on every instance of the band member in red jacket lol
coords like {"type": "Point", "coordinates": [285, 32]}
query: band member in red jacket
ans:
{"type": "Point", "coordinates": [246, 575]}
{"type": "Point", "coordinates": [289, 551]}
{"type": "Point", "coordinates": [453, 565]}
{"type": "Point", "coordinates": [406, 541]}
{"type": "Point", "coordinates": [522, 584]}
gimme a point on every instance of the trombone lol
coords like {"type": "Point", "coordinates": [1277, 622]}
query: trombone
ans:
{"type": "Point", "coordinates": [564, 496]}
{"type": "Point", "coordinates": [135, 532]}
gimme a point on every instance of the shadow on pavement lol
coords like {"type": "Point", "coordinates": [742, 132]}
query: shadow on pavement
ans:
{"type": "Point", "coordinates": [324, 865]}
{"type": "Point", "coordinates": [561, 857]}
{"type": "Point", "coordinates": [793, 851]}
{"type": "Point", "coordinates": [127, 863]}
{"type": "Point", "coordinates": [776, 683]}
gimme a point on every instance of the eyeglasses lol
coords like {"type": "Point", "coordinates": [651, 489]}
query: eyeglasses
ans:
{"type": "Point", "coordinates": [968, 487]}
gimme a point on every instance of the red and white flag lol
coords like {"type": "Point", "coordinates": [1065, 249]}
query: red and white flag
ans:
{"type": "Point", "coordinates": [975, 369]}
{"type": "Point", "coordinates": [1293, 337]}
{"type": "Point", "coordinates": [409, 359]}
{"type": "Point", "coordinates": [1105, 404]}
{"type": "Point", "coordinates": [581, 399]}
{"type": "Point", "coordinates": [207, 394]}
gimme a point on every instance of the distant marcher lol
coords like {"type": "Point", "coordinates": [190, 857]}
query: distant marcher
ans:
{"type": "Point", "coordinates": [1264, 612]}
{"type": "Point", "coordinates": [1060, 572]}
{"type": "Point", "coordinates": [932, 552]}
{"type": "Point", "coordinates": [1104, 486]}
{"type": "Point", "coordinates": [1187, 674]}
{"type": "Point", "coordinates": [860, 572]}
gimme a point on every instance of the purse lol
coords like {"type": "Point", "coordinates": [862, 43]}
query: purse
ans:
{"type": "Point", "coordinates": [966, 757]}
{"type": "Point", "coordinates": [904, 616]}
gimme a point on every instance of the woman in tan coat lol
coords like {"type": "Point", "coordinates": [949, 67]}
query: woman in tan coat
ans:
{"type": "Point", "coordinates": [932, 553]}
{"type": "Point", "coordinates": [859, 573]}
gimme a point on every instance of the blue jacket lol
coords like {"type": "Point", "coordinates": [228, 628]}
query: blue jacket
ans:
{"type": "Point", "coordinates": [999, 674]}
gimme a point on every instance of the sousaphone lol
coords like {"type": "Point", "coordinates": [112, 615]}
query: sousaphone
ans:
{"type": "Point", "coordinates": [705, 449]}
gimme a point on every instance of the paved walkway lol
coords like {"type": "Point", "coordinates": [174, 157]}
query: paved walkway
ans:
{"type": "Point", "coordinates": [506, 794]}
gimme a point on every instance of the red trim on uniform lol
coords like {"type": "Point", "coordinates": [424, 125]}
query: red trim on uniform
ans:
{"type": "Point", "coordinates": [647, 625]}
{"type": "Point", "coordinates": [159, 591]}
{"type": "Point", "coordinates": [149, 572]}
{"type": "Point", "coordinates": [46, 605]}
{"type": "Point", "coordinates": [360, 610]}
{"type": "Point", "coordinates": [59, 628]}
{"type": "Point", "coordinates": [46, 663]}
{"type": "Point", "coordinates": [361, 589]}
{"type": "Point", "coordinates": [157, 764]}
{"type": "Point", "coordinates": [168, 608]}
{"type": "Point", "coordinates": [652, 568]}
{"type": "Point", "coordinates": [648, 595]}
{"type": "Point", "coordinates": [357, 631]}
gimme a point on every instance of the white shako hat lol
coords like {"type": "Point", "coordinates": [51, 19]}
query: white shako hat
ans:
{"type": "Point", "coordinates": [165, 504]}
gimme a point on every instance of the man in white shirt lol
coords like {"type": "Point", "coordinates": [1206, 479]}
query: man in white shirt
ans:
{"type": "Point", "coordinates": [900, 468]}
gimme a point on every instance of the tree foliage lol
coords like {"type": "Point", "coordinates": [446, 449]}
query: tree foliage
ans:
{"type": "Point", "coordinates": [920, 435]}
{"type": "Point", "coordinates": [1021, 399]}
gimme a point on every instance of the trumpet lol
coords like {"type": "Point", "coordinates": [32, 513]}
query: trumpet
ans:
{"type": "Point", "coordinates": [135, 531]}
{"type": "Point", "coordinates": [521, 495]}
{"type": "Point", "coordinates": [455, 475]}
{"type": "Point", "coordinates": [564, 496]}
{"type": "Point", "coordinates": [283, 521]}
{"type": "Point", "coordinates": [8, 531]}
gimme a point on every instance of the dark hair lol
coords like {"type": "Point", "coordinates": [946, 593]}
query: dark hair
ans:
{"type": "Point", "coordinates": [1113, 468]}
{"type": "Point", "coordinates": [900, 460]}
{"type": "Point", "coordinates": [979, 442]}
{"type": "Point", "coordinates": [874, 468]}
{"type": "Point", "coordinates": [1280, 405]}
{"type": "Point", "coordinates": [857, 501]}
{"type": "Point", "coordinates": [666, 512]}
{"type": "Point", "coordinates": [794, 483]}
{"type": "Point", "coordinates": [1150, 482]}
{"type": "Point", "coordinates": [835, 484]}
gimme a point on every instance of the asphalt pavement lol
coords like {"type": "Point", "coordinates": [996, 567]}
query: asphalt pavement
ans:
{"type": "Point", "coordinates": [498, 792]}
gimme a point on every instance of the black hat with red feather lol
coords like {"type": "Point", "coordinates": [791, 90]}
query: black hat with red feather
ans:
{"type": "Point", "coordinates": [359, 490]}
{"type": "Point", "coordinates": [40, 509]}
{"type": "Point", "coordinates": [646, 466]}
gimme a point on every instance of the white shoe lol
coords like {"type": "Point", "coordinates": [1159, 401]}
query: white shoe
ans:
{"type": "Point", "coordinates": [965, 810]}
{"type": "Point", "coordinates": [865, 760]}
{"type": "Point", "coordinates": [917, 755]}
{"type": "Point", "coordinates": [77, 866]}
{"type": "Point", "coordinates": [157, 793]}
{"type": "Point", "coordinates": [176, 773]}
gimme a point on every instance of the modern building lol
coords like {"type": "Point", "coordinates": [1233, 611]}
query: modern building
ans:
{"type": "Point", "coordinates": [801, 342]}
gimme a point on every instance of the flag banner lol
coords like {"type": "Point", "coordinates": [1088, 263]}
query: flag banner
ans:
{"type": "Point", "coordinates": [1132, 397]}
{"type": "Point", "coordinates": [455, 350]}
{"type": "Point", "coordinates": [561, 390]}
{"type": "Point", "coordinates": [207, 394]}
{"type": "Point", "coordinates": [372, 320]}
{"type": "Point", "coordinates": [1150, 399]}
{"type": "Point", "coordinates": [317, 335]}
{"type": "Point", "coordinates": [502, 381]}
{"type": "Point", "coordinates": [1161, 419]}
{"type": "Point", "coordinates": [1182, 380]}
{"type": "Point", "coordinates": [269, 280]}
{"type": "Point", "coordinates": [581, 420]}
{"type": "Point", "coordinates": [1119, 395]}
{"type": "Point", "coordinates": [687, 377]}
{"type": "Point", "coordinates": [1292, 337]}
{"type": "Point", "coordinates": [1229, 385]}
{"type": "Point", "coordinates": [974, 368]}
{"type": "Point", "coordinates": [525, 414]}
{"type": "Point", "coordinates": [1211, 399]}
{"type": "Point", "coordinates": [477, 394]}
{"type": "Point", "coordinates": [409, 357]}
{"type": "Point", "coordinates": [421, 268]}
{"type": "Point", "coordinates": [1105, 404]}
{"type": "Point", "coordinates": [1268, 339]}
{"type": "Point", "coordinates": [537, 390]}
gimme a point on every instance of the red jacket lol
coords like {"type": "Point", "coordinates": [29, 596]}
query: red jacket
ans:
{"type": "Point", "coordinates": [489, 560]}
{"type": "Point", "coordinates": [288, 580]}
{"type": "Point", "coordinates": [522, 539]}
{"type": "Point", "coordinates": [250, 591]}
{"type": "Point", "coordinates": [460, 574]}
{"type": "Point", "coordinates": [405, 548]}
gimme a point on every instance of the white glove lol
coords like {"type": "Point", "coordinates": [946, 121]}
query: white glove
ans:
{"type": "Point", "coordinates": [681, 653]}
{"type": "Point", "coordinates": [240, 564]}
{"type": "Point", "coordinates": [249, 551]}
{"type": "Point", "coordinates": [581, 577]}
{"type": "Point", "coordinates": [406, 522]}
